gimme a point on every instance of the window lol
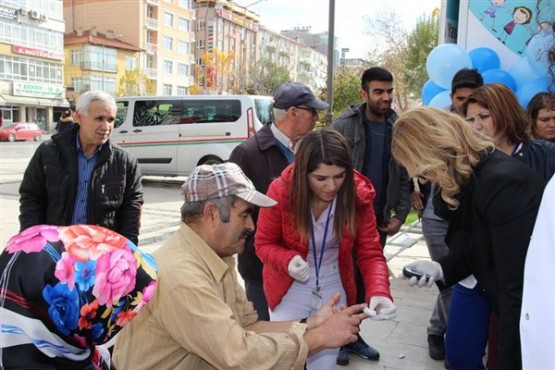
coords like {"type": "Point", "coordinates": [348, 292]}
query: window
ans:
{"type": "Point", "coordinates": [168, 67]}
{"type": "Point", "coordinates": [167, 89]}
{"type": "Point", "coordinates": [168, 19]}
{"type": "Point", "coordinates": [99, 58]}
{"type": "Point", "coordinates": [182, 90]}
{"type": "Point", "coordinates": [201, 24]}
{"type": "Point", "coordinates": [150, 37]}
{"type": "Point", "coordinates": [200, 44]}
{"type": "Point", "coordinates": [200, 61]}
{"type": "Point", "coordinates": [183, 24]}
{"type": "Point", "coordinates": [179, 111]}
{"type": "Point", "coordinates": [168, 43]}
{"type": "Point", "coordinates": [185, 4]}
{"type": "Point", "coordinates": [23, 69]}
{"type": "Point", "coordinates": [130, 63]}
{"type": "Point", "coordinates": [182, 69]}
{"type": "Point", "coordinates": [183, 47]}
{"type": "Point", "coordinates": [76, 57]}
{"type": "Point", "coordinates": [121, 113]}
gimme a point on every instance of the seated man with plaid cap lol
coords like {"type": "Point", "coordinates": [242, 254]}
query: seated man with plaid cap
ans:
{"type": "Point", "coordinates": [200, 317]}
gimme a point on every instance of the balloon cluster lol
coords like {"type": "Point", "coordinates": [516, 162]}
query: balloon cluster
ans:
{"type": "Point", "coordinates": [528, 76]}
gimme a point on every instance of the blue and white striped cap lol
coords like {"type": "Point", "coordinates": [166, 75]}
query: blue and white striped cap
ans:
{"type": "Point", "coordinates": [208, 182]}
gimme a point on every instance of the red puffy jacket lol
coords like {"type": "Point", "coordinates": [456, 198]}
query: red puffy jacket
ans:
{"type": "Point", "coordinates": [277, 242]}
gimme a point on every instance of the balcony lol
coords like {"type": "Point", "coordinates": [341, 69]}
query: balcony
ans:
{"type": "Point", "coordinates": [151, 24]}
{"type": "Point", "coordinates": [152, 73]}
{"type": "Point", "coordinates": [99, 66]}
{"type": "Point", "coordinates": [151, 48]}
{"type": "Point", "coordinates": [152, 2]}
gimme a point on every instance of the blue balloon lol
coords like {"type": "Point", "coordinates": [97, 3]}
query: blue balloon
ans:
{"type": "Point", "coordinates": [444, 61]}
{"type": "Point", "coordinates": [538, 49]}
{"type": "Point", "coordinates": [531, 88]}
{"type": "Point", "coordinates": [484, 59]}
{"type": "Point", "coordinates": [499, 76]}
{"type": "Point", "coordinates": [441, 100]}
{"type": "Point", "coordinates": [429, 90]}
{"type": "Point", "coordinates": [522, 72]}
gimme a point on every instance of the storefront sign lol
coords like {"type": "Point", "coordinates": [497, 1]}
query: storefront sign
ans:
{"type": "Point", "coordinates": [8, 13]}
{"type": "Point", "coordinates": [58, 55]}
{"type": "Point", "coordinates": [38, 90]}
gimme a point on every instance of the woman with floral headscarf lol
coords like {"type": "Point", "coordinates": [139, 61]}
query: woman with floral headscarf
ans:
{"type": "Point", "coordinates": [64, 290]}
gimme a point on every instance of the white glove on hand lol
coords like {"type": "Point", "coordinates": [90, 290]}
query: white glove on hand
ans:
{"type": "Point", "coordinates": [381, 308]}
{"type": "Point", "coordinates": [298, 269]}
{"type": "Point", "coordinates": [430, 268]}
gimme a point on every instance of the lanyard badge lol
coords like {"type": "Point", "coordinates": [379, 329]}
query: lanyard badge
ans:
{"type": "Point", "coordinates": [316, 298]}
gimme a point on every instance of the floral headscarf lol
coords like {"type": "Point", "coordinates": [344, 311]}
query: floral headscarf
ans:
{"type": "Point", "coordinates": [66, 289]}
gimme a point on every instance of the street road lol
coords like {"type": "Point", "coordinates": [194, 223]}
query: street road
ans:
{"type": "Point", "coordinates": [160, 216]}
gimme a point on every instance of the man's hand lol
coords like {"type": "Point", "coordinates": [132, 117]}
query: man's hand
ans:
{"type": "Point", "coordinates": [392, 227]}
{"type": "Point", "coordinates": [381, 308]}
{"type": "Point", "coordinates": [337, 330]}
{"type": "Point", "coordinates": [324, 312]}
{"type": "Point", "coordinates": [416, 198]}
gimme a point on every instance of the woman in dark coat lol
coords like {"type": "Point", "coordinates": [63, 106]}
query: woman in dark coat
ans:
{"type": "Point", "coordinates": [490, 200]}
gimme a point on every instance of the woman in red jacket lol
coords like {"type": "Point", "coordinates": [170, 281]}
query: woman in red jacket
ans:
{"type": "Point", "coordinates": [306, 242]}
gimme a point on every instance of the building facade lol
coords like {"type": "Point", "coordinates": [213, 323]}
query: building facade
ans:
{"type": "Point", "coordinates": [31, 61]}
{"type": "Point", "coordinates": [162, 29]}
{"type": "Point", "coordinates": [226, 46]}
{"type": "Point", "coordinates": [96, 61]}
{"type": "Point", "coordinates": [279, 49]}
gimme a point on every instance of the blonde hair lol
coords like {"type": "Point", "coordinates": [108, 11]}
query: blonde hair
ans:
{"type": "Point", "coordinates": [441, 146]}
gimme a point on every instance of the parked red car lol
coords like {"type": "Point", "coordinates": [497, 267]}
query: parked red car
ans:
{"type": "Point", "coordinates": [20, 131]}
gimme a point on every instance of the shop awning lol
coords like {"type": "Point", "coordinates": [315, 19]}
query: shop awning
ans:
{"type": "Point", "coordinates": [6, 99]}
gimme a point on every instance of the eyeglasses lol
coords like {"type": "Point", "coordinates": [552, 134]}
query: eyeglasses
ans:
{"type": "Point", "coordinates": [313, 111]}
{"type": "Point", "coordinates": [483, 116]}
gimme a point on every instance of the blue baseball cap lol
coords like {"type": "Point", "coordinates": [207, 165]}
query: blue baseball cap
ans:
{"type": "Point", "coordinates": [294, 94]}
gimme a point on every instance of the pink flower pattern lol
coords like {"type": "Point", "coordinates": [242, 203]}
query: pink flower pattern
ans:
{"type": "Point", "coordinates": [65, 270]}
{"type": "Point", "coordinates": [115, 276]}
{"type": "Point", "coordinates": [33, 239]}
{"type": "Point", "coordinates": [85, 242]}
{"type": "Point", "coordinates": [148, 293]}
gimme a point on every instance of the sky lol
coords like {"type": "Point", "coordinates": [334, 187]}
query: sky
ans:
{"type": "Point", "coordinates": [350, 24]}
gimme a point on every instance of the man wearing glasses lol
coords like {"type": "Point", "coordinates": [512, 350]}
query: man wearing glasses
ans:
{"type": "Point", "coordinates": [263, 157]}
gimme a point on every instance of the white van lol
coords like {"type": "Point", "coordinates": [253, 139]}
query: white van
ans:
{"type": "Point", "coordinates": [171, 135]}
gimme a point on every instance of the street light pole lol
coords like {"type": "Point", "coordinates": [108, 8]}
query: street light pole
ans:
{"type": "Point", "coordinates": [331, 39]}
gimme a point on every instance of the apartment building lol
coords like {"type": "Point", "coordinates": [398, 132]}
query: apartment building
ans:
{"type": "Point", "coordinates": [312, 67]}
{"type": "Point", "coordinates": [279, 49]}
{"type": "Point", "coordinates": [161, 29]}
{"type": "Point", "coordinates": [317, 41]}
{"type": "Point", "coordinates": [31, 61]}
{"type": "Point", "coordinates": [226, 46]}
{"type": "Point", "coordinates": [97, 61]}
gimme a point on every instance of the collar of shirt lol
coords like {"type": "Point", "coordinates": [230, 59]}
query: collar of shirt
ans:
{"type": "Point", "coordinates": [323, 217]}
{"type": "Point", "coordinates": [80, 150]}
{"type": "Point", "coordinates": [280, 136]}
{"type": "Point", "coordinates": [217, 265]}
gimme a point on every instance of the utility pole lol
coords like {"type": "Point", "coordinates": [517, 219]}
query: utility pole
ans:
{"type": "Point", "coordinates": [331, 39]}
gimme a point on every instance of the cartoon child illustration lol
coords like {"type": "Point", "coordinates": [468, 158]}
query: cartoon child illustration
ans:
{"type": "Point", "coordinates": [521, 15]}
{"type": "Point", "coordinates": [491, 11]}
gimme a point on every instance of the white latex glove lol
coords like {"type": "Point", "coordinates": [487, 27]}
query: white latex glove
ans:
{"type": "Point", "coordinates": [381, 308]}
{"type": "Point", "coordinates": [430, 268]}
{"type": "Point", "coordinates": [298, 269]}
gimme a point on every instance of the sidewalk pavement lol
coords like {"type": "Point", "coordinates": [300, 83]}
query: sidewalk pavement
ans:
{"type": "Point", "coordinates": [402, 343]}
